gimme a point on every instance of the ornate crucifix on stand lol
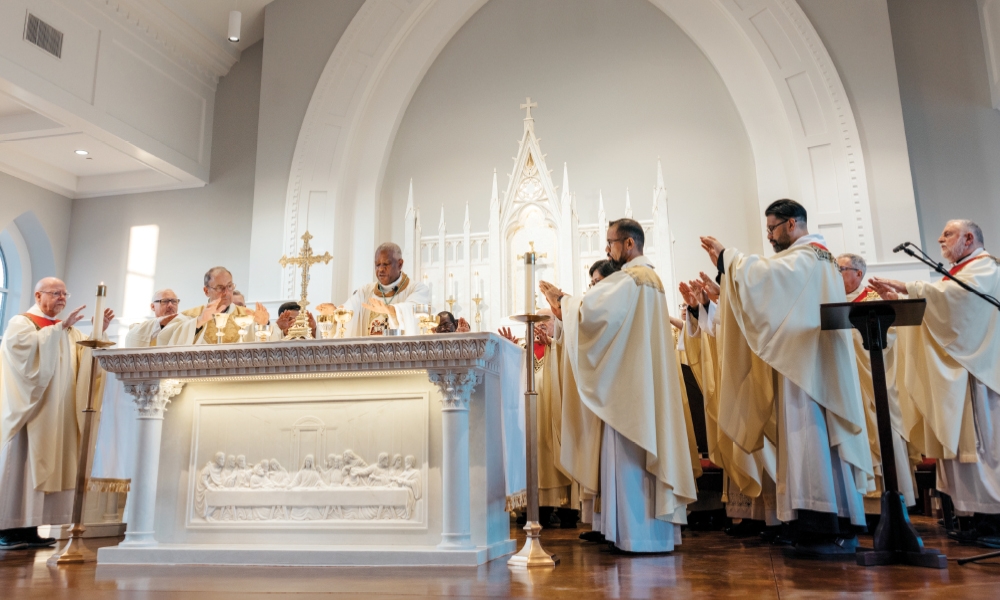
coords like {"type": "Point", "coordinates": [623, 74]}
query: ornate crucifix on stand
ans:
{"type": "Point", "coordinates": [300, 330]}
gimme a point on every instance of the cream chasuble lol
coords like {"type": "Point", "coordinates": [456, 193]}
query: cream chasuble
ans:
{"type": "Point", "coordinates": [803, 393]}
{"type": "Point", "coordinates": [749, 485]}
{"type": "Point", "coordinates": [622, 357]}
{"type": "Point", "coordinates": [402, 294]}
{"type": "Point", "coordinates": [208, 334]}
{"type": "Point", "coordinates": [180, 331]}
{"type": "Point", "coordinates": [43, 390]}
{"type": "Point", "coordinates": [555, 486]}
{"type": "Point", "coordinates": [950, 397]}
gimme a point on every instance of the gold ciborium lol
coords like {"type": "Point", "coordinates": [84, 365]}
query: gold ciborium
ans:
{"type": "Point", "coordinates": [425, 315]}
{"type": "Point", "coordinates": [243, 322]}
{"type": "Point", "coordinates": [342, 316]}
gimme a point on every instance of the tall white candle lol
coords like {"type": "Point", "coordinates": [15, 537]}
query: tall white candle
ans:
{"type": "Point", "coordinates": [529, 283]}
{"type": "Point", "coordinates": [482, 292]}
{"type": "Point", "coordinates": [454, 290]}
{"type": "Point", "coordinates": [102, 292]}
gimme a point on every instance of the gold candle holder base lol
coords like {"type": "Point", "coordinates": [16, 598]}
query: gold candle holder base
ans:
{"type": "Point", "coordinates": [532, 554]}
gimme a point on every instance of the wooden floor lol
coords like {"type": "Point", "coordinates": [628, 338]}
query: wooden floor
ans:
{"type": "Point", "coordinates": [707, 565]}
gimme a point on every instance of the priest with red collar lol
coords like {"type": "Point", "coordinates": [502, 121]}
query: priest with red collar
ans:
{"type": "Point", "coordinates": [44, 378]}
{"type": "Point", "coordinates": [784, 379]}
{"type": "Point", "coordinates": [951, 368]}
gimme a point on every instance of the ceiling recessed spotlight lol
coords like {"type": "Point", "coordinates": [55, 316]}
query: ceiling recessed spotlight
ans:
{"type": "Point", "coordinates": [234, 26]}
{"type": "Point", "coordinates": [82, 152]}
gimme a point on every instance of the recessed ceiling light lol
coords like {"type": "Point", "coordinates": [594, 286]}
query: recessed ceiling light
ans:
{"type": "Point", "coordinates": [82, 152]}
{"type": "Point", "coordinates": [234, 25]}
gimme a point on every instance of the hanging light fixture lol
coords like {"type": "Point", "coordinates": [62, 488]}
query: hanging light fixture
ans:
{"type": "Point", "coordinates": [234, 25]}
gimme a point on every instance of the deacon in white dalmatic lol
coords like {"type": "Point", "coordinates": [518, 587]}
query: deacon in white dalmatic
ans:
{"type": "Point", "coordinates": [623, 366]}
{"type": "Point", "coordinates": [389, 302]}
{"type": "Point", "coordinates": [44, 378]}
{"type": "Point", "coordinates": [951, 372]}
{"type": "Point", "coordinates": [803, 394]}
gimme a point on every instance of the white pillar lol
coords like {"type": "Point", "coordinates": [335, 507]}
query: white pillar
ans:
{"type": "Point", "coordinates": [456, 389]}
{"type": "Point", "coordinates": [151, 399]}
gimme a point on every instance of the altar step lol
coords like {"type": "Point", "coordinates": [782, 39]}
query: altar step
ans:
{"type": "Point", "coordinates": [311, 556]}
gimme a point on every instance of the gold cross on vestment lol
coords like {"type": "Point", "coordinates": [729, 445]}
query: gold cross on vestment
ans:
{"type": "Point", "coordinates": [304, 260]}
{"type": "Point", "coordinates": [528, 104]}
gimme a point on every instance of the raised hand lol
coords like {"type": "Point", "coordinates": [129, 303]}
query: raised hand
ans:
{"type": "Point", "coordinates": [699, 292]}
{"type": "Point", "coordinates": [209, 312]}
{"type": "Point", "coordinates": [688, 294]}
{"type": "Point", "coordinates": [260, 314]}
{"type": "Point", "coordinates": [378, 306]}
{"type": "Point", "coordinates": [326, 308]}
{"type": "Point", "coordinates": [711, 288]}
{"type": "Point", "coordinates": [505, 332]}
{"type": "Point", "coordinates": [552, 295]}
{"type": "Point", "coordinates": [109, 315]}
{"type": "Point", "coordinates": [888, 289]}
{"type": "Point", "coordinates": [542, 335]}
{"type": "Point", "coordinates": [74, 316]}
{"type": "Point", "coordinates": [713, 247]}
{"type": "Point", "coordinates": [462, 326]}
{"type": "Point", "coordinates": [285, 320]}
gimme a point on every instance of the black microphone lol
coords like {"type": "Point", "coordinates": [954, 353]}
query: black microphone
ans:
{"type": "Point", "coordinates": [901, 247]}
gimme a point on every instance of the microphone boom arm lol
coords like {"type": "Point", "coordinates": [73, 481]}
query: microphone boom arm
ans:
{"type": "Point", "coordinates": [939, 268]}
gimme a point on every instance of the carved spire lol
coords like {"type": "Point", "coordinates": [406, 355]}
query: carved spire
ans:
{"type": "Point", "coordinates": [467, 224]}
{"type": "Point", "coordinates": [628, 205]}
{"type": "Point", "coordinates": [409, 198]}
{"type": "Point", "coordinates": [495, 196]}
{"type": "Point", "coordinates": [441, 225]}
{"type": "Point", "coordinates": [659, 174]}
{"type": "Point", "coordinates": [565, 188]}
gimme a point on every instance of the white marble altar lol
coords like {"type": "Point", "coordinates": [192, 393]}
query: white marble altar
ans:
{"type": "Point", "coordinates": [365, 451]}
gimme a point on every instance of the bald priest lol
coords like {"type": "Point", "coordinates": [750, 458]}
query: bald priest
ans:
{"type": "Point", "coordinates": [44, 376]}
{"type": "Point", "coordinates": [950, 398]}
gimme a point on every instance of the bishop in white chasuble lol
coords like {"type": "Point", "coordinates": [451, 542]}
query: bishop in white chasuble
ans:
{"type": "Point", "coordinates": [387, 303]}
{"type": "Point", "coordinates": [803, 394]}
{"type": "Point", "coordinates": [623, 362]}
{"type": "Point", "coordinates": [44, 379]}
{"type": "Point", "coordinates": [950, 399]}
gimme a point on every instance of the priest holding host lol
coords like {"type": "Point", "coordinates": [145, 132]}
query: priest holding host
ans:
{"type": "Point", "coordinates": [44, 379]}
{"type": "Point", "coordinates": [950, 397]}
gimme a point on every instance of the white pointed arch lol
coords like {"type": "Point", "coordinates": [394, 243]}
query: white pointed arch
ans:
{"type": "Point", "coordinates": [782, 80]}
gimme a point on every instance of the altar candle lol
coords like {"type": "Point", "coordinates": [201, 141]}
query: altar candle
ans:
{"type": "Point", "coordinates": [102, 292]}
{"type": "Point", "coordinates": [482, 293]}
{"type": "Point", "coordinates": [529, 283]}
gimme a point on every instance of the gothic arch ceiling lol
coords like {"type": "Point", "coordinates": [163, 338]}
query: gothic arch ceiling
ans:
{"type": "Point", "coordinates": [781, 78]}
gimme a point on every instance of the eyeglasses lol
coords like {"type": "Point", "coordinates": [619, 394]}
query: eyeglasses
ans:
{"type": "Point", "coordinates": [222, 288]}
{"type": "Point", "coordinates": [771, 228]}
{"type": "Point", "coordinates": [842, 269]}
{"type": "Point", "coordinates": [64, 295]}
{"type": "Point", "coordinates": [174, 301]}
{"type": "Point", "coordinates": [617, 240]}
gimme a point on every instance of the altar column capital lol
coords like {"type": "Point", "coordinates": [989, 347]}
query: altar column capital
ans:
{"type": "Point", "coordinates": [151, 397]}
{"type": "Point", "coordinates": [456, 387]}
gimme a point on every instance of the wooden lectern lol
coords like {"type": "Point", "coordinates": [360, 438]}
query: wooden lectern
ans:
{"type": "Point", "coordinates": [896, 541]}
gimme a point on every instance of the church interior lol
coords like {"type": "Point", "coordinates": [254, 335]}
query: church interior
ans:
{"type": "Point", "coordinates": [266, 148]}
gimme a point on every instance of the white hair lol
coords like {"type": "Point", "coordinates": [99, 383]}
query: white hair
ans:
{"type": "Point", "coordinates": [390, 248]}
{"type": "Point", "coordinates": [856, 262]}
{"type": "Point", "coordinates": [971, 227]}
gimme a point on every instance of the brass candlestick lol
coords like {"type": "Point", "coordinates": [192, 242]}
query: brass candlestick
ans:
{"type": "Point", "coordinates": [479, 316]}
{"type": "Point", "coordinates": [74, 552]}
{"type": "Point", "coordinates": [451, 304]}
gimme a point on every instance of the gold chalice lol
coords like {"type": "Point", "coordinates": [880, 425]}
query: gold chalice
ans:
{"type": "Point", "coordinates": [425, 315]}
{"type": "Point", "coordinates": [342, 316]}
{"type": "Point", "coordinates": [220, 324]}
{"type": "Point", "coordinates": [243, 322]}
{"type": "Point", "coordinates": [324, 324]}
{"type": "Point", "coordinates": [263, 333]}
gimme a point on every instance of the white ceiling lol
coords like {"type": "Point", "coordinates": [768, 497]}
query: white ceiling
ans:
{"type": "Point", "coordinates": [214, 15]}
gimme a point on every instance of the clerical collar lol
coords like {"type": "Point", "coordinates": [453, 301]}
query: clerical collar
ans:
{"type": "Point", "coordinates": [970, 256]}
{"type": "Point", "coordinates": [639, 261]}
{"type": "Point", "coordinates": [812, 238]}
{"type": "Point", "coordinates": [392, 287]}
{"type": "Point", "coordinates": [37, 311]}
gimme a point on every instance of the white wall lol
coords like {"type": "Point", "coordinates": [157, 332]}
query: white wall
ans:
{"type": "Point", "coordinates": [299, 37]}
{"type": "Point", "coordinates": [952, 131]}
{"type": "Point", "coordinates": [858, 37]}
{"type": "Point", "coordinates": [618, 84]}
{"type": "Point", "coordinates": [199, 228]}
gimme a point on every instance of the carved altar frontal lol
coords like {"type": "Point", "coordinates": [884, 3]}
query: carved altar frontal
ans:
{"type": "Point", "coordinates": [324, 461]}
{"type": "Point", "coordinates": [365, 451]}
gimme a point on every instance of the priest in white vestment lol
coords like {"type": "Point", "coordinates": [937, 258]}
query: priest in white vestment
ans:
{"type": "Point", "coordinates": [803, 394]}
{"type": "Point", "coordinates": [628, 436]}
{"type": "Point", "coordinates": [389, 302]}
{"type": "Point", "coordinates": [44, 379]}
{"type": "Point", "coordinates": [219, 290]}
{"type": "Point", "coordinates": [167, 327]}
{"type": "Point", "coordinates": [852, 270]}
{"type": "Point", "coordinates": [950, 399]}
{"type": "Point", "coordinates": [748, 487]}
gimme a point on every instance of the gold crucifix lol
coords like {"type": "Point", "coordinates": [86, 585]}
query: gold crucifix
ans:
{"type": "Point", "coordinates": [304, 261]}
{"type": "Point", "coordinates": [532, 251]}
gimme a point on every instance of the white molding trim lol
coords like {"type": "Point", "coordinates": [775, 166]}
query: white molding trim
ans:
{"type": "Point", "coordinates": [783, 82]}
{"type": "Point", "coordinates": [989, 22]}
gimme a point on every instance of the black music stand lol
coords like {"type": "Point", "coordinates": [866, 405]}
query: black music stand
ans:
{"type": "Point", "coordinates": [896, 541]}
